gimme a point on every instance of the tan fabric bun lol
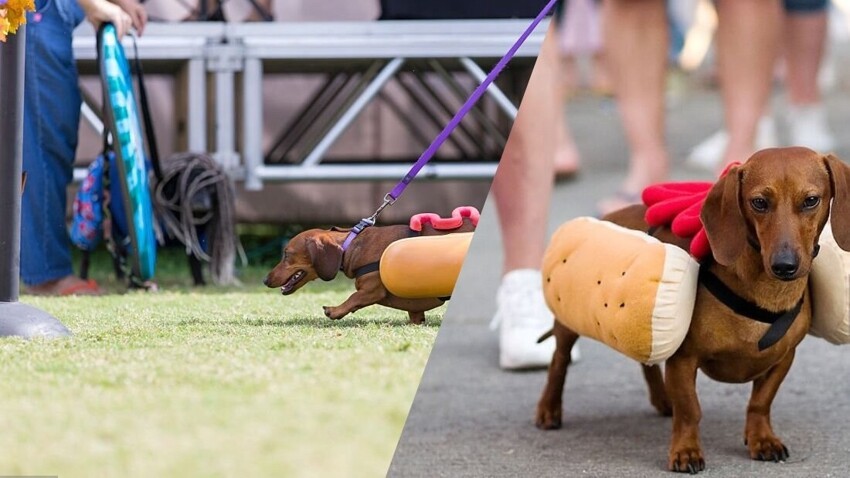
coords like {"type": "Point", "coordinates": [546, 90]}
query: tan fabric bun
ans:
{"type": "Point", "coordinates": [424, 267]}
{"type": "Point", "coordinates": [621, 287]}
{"type": "Point", "coordinates": [830, 288]}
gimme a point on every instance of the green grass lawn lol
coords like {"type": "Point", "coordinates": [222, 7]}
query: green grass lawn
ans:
{"type": "Point", "coordinates": [210, 382]}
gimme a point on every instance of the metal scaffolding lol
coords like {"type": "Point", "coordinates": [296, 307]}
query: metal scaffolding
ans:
{"type": "Point", "coordinates": [358, 59]}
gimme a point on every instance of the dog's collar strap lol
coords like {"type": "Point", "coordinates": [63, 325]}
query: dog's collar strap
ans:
{"type": "Point", "coordinates": [368, 268]}
{"type": "Point", "coordinates": [779, 322]}
{"type": "Point", "coordinates": [355, 231]}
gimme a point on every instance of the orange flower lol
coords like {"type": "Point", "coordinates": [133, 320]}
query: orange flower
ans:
{"type": "Point", "coordinates": [13, 15]}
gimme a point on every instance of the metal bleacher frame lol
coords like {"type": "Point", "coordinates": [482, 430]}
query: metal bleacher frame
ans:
{"type": "Point", "coordinates": [219, 52]}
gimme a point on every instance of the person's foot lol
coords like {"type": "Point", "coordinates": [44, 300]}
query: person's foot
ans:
{"type": "Point", "coordinates": [566, 161]}
{"type": "Point", "coordinates": [709, 153]}
{"type": "Point", "coordinates": [645, 170]}
{"type": "Point", "coordinates": [808, 126]}
{"type": "Point", "coordinates": [68, 285]}
{"type": "Point", "coordinates": [522, 317]}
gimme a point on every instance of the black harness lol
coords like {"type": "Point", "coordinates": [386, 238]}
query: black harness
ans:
{"type": "Point", "coordinates": [779, 322]}
{"type": "Point", "coordinates": [376, 266]}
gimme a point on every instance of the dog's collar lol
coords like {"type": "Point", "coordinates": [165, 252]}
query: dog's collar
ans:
{"type": "Point", "coordinates": [779, 322]}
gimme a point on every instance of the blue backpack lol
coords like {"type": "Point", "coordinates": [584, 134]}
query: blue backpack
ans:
{"type": "Point", "coordinates": [91, 203]}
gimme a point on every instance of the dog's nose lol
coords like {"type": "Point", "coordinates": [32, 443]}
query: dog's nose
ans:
{"type": "Point", "coordinates": [785, 265]}
{"type": "Point", "coordinates": [266, 281]}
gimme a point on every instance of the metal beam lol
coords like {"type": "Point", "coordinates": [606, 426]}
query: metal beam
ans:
{"type": "Point", "coordinates": [503, 101]}
{"type": "Point", "coordinates": [374, 172]}
{"type": "Point", "coordinates": [352, 112]}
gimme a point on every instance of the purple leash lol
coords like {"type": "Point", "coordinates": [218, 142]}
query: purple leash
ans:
{"type": "Point", "coordinates": [426, 156]}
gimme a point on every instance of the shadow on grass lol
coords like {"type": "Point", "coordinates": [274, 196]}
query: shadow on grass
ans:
{"type": "Point", "coordinates": [319, 323]}
{"type": "Point", "coordinates": [326, 323]}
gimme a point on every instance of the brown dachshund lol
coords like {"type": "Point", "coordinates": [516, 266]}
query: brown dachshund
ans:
{"type": "Point", "coordinates": [317, 253]}
{"type": "Point", "coordinates": [763, 221]}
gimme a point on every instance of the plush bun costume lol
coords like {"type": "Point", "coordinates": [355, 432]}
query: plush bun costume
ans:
{"type": "Point", "coordinates": [830, 288]}
{"type": "Point", "coordinates": [636, 294]}
{"type": "Point", "coordinates": [428, 266]}
{"type": "Point", "coordinates": [621, 287]}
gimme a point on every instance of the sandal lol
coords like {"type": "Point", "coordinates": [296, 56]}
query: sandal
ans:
{"type": "Point", "coordinates": [66, 286]}
{"type": "Point", "coordinates": [621, 199]}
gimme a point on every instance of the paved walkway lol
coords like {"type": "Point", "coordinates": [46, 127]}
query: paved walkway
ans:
{"type": "Point", "coordinates": [470, 418]}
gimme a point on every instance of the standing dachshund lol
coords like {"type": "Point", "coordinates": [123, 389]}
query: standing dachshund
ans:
{"type": "Point", "coordinates": [763, 221]}
{"type": "Point", "coordinates": [317, 253]}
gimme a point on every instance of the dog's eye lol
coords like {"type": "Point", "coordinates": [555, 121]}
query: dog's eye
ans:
{"type": "Point", "coordinates": [811, 202]}
{"type": "Point", "coordinates": [759, 204]}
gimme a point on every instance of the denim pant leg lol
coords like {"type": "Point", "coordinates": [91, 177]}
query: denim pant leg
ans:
{"type": "Point", "coordinates": [51, 124]}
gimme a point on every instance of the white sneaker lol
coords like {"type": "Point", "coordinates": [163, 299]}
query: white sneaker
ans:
{"type": "Point", "coordinates": [522, 317]}
{"type": "Point", "coordinates": [807, 126]}
{"type": "Point", "coordinates": [709, 152]}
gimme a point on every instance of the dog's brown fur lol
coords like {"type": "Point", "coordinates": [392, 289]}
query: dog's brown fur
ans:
{"type": "Point", "coordinates": [317, 253]}
{"type": "Point", "coordinates": [719, 342]}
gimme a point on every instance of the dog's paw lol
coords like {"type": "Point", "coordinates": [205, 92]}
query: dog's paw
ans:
{"type": "Point", "coordinates": [329, 313]}
{"type": "Point", "coordinates": [548, 417]}
{"type": "Point", "coordinates": [686, 459]}
{"type": "Point", "coordinates": [767, 448]}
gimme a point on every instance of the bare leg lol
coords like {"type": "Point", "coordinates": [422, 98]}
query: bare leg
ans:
{"type": "Point", "coordinates": [805, 35]}
{"type": "Point", "coordinates": [745, 67]}
{"type": "Point", "coordinates": [804, 39]}
{"type": "Point", "coordinates": [635, 34]}
{"type": "Point", "coordinates": [566, 159]}
{"type": "Point", "coordinates": [763, 444]}
{"type": "Point", "coordinates": [522, 187]}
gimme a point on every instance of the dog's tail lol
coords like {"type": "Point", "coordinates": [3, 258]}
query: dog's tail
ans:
{"type": "Point", "coordinates": [545, 335]}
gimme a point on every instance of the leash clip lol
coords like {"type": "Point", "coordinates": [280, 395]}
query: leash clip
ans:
{"type": "Point", "coordinates": [388, 201]}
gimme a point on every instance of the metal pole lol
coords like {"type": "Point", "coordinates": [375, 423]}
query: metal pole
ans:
{"type": "Point", "coordinates": [11, 145]}
{"type": "Point", "coordinates": [16, 319]}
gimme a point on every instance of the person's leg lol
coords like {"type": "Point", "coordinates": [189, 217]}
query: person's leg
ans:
{"type": "Point", "coordinates": [51, 122]}
{"type": "Point", "coordinates": [522, 190]}
{"type": "Point", "coordinates": [522, 187]}
{"type": "Point", "coordinates": [804, 41]}
{"type": "Point", "coordinates": [635, 38]}
{"type": "Point", "coordinates": [748, 35]}
{"type": "Point", "coordinates": [569, 27]}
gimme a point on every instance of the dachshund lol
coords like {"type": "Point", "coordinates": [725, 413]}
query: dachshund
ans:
{"type": "Point", "coordinates": [763, 221]}
{"type": "Point", "coordinates": [317, 254]}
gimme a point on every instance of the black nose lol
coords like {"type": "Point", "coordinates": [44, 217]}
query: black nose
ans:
{"type": "Point", "coordinates": [266, 281]}
{"type": "Point", "coordinates": [784, 265]}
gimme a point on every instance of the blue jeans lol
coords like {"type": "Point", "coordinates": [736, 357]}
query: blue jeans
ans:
{"type": "Point", "coordinates": [51, 123]}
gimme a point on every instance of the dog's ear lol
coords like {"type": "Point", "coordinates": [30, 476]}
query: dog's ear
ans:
{"type": "Point", "coordinates": [723, 219]}
{"type": "Point", "coordinates": [326, 257]}
{"type": "Point", "coordinates": [839, 178]}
